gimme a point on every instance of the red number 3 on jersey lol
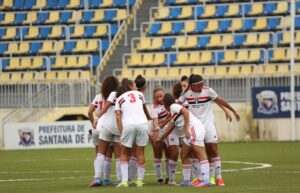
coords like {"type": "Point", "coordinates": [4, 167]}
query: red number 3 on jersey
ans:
{"type": "Point", "coordinates": [132, 98]}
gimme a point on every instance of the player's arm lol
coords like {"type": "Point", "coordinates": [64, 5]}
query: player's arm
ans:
{"type": "Point", "coordinates": [169, 129]}
{"type": "Point", "coordinates": [164, 121]}
{"type": "Point", "coordinates": [221, 102]}
{"type": "Point", "coordinates": [119, 120]}
{"type": "Point", "coordinates": [91, 114]}
{"type": "Point", "coordinates": [227, 114]}
{"type": "Point", "coordinates": [186, 118]}
{"type": "Point", "coordinates": [146, 112]}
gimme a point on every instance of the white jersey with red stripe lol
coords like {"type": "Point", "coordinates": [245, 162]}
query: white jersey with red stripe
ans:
{"type": "Point", "coordinates": [131, 105]}
{"type": "Point", "coordinates": [110, 116]}
{"type": "Point", "coordinates": [98, 102]}
{"type": "Point", "coordinates": [178, 120]}
{"type": "Point", "coordinates": [158, 112]}
{"type": "Point", "coordinates": [200, 103]}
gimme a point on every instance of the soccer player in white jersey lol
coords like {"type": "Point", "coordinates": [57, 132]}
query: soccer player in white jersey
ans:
{"type": "Point", "coordinates": [106, 122]}
{"type": "Point", "coordinates": [133, 125]}
{"type": "Point", "coordinates": [199, 98]}
{"type": "Point", "coordinates": [194, 131]}
{"type": "Point", "coordinates": [159, 114]}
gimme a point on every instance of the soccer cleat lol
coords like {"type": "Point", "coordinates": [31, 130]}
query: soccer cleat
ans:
{"type": "Point", "coordinates": [220, 182]}
{"type": "Point", "coordinates": [123, 184]}
{"type": "Point", "coordinates": [196, 182]}
{"type": "Point", "coordinates": [106, 182]}
{"type": "Point", "coordinates": [139, 183]}
{"type": "Point", "coordinates": [202, 184]}
{"type": "Point", "coordinates": [172, 182]}
{"type": "Point", "coordinates": [166, 180]}
{"type": "Point", "coordinates": [184, 183]}
{"type": "Point", "coordinates": [160, 181]}
{"type": "Point", "coordinates": [95, 183]}
{"type": "Point", "coordinates": [212, 181]}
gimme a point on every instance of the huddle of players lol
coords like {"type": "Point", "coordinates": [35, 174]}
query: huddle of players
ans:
{"type": "Point", "coordinates": [181, 119]}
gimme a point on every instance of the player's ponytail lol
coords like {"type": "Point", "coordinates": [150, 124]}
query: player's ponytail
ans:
{"type": "Point", "coordinates": [168, 100]}
{"type": "Point", "coordinates": [176, 90]}
{"type": "Point", "coordinates": [140, 82]}
{"type": "Point", "coordinates": [109, 84]}
{"type": "Point", "coordinates": [126, 85]}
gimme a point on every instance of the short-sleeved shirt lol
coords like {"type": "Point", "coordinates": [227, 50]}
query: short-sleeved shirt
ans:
{"type": "Point", "coordinates": [131, 105]}
{"type": "Point", "coordinates": [200, 103]}
{"type": "Point", "coordinates": [158, 111]}
{"type": "Point", "coordinates": [98, 102]}
{"type": "Point", "coordinates": [178, 120]}
{"type": "Point", "coordinates": [110, 116]}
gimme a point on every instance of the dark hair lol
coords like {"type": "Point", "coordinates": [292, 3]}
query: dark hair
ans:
{"type": "Point", "coordinates": [168, 99]}
{"type": "Point", "coordinates": [194, 78]}
{"type": "Point", "coordinates": [125, 86]}
{"type": "Point", "coordinates": [109, 84]}
{"type": "Point", "coordinates": [184, 78]}
{"type": "Point", "coordinates": [176, 90]}
{"type": "Point", "coordinates": [140, 82]}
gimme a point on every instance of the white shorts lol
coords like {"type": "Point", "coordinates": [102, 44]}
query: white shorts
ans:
{"type": "Point", "coordinates": [211, 135]}
{"type": "Point", "coordinates": [197, 136]}
{"type": "Point", "coordinates": [174, 139]}
{"type": "Point", "coordinates": [95, 137]}
{"type": "Point", "coordinates": [106, 135]}
{"type": "Point", "coordinates": [138, 134]}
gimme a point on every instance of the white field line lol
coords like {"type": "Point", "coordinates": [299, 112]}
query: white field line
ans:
{"type": "Point", "coordinates": [257, 166]}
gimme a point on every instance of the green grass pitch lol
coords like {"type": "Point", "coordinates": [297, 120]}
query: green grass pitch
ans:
{"type": "Point", "coordinates": [71, 170]}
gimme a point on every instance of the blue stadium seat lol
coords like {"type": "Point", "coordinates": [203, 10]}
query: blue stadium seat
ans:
{"type": "Point", "coordinates": [62, 3]}
{"type": "Point", "coordinates": [174, 12]}
{"type": "Point", "coordinates": [19, 4]}
{"type": "Point", "coordinates": [173, 58]}
{"type": "Point", "coordinates": [273, 23]}
{"type": "Point", "coordinates": [87, 16]}
{"type": "Point", "coordinates": [96, 60]}
{"type": "Point", "coordinates": [248, 24]}
{"type": "Point", "coordinates": [65, 17]}
{"type": "Point", "coordinates": [239, 39]}
{"type": "Point", "coordinates": [110, 15]}
{"type": "Point", "coordinates": [247, 8]}
{"type": "Point", "coordinates": [114, 28]}
{"type": "Point", "coordinates": [269, 8]}
{"type": "Point", "coordinates": [221, 10]}
{"type": "Point", "coordinates": [203, 41]}
{"type": "Point", "coordinates": [69, 46]}
{"type": "Point", "coordinates": [104, 44]}
{"type": "Point", "coordinates": [23, 31]}
{"type": "Point", "coordinates": [297, 6]}
{"type": "Point", "coordinates": [35, 47]}
{"type": "Point", "coordinates": [177, 27]}
{"type": "Point", "coordinates": [2, 32]}
{"type": "Point", "coordinates": [224, 25]}
{"type": "Point", "coordinates": [297, 22]}
{"type": "Point", "coordinates": [20, 17]}
{"type": "Point", "coordinates": [29, 4]}
{"type": "Point", "coordinates": [219, 56]}
{"type": "Point", "coordinates": [201, 26]}
{"type": "Point", "coordinates": [154, 28]}
{"type": "Point", "coordinates": [3, 48]}
{"type": "Point", "coordinates": [42, 16]}
{"type": "Point", "coordinates": [52, 4]}
{"type": "Point", "coordinates": [44, 32]}
{"type": "Point", "coordinates": [89, 30]}
{"type": "Point", "coordinates": [4, 62]}
{"type": "Point", "coordinates": [168, 43]}
{"type": "Point", "coordinates": [199, 11]}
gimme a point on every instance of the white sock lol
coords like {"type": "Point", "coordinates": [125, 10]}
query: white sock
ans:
{"type": "Point", "coordinates": [197, 167]}
{"type": "Point", "coordinates": [194, 172]}
{"type": "Point", "coordinates": [167, 168]}
{"type": "Point", "coordinates": [217, 164]}
{"type": "Point", "coordinates": [141, 171]}
{"type": "Point", "coordinates": [98, 165]}
{"type": "Point", "coordinates": [172, 169]}
{"type": "Point", "coordinates": [132, 168]}
{"type": "Point", "coordinates": [205, 170]}
{"type": "Point", "coordinates": [107, 168]}
{"type": "Point", "coordinates": [124, 170]}
{"type": "Point", "coordinates": [186, 170]}
{"type": "Point", "coordinates": [157, 166]}
{"type": "Point", "coordinates": [118, 170]}
{"type": "Point", "coordinates": [211, 170]}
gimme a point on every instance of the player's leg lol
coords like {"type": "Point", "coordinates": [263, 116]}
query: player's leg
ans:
{"type": "Point", "coordinates": [107, 165]}
{"type": "Point", "coordinates": [174, 152]}
{"type": "Point", "coordinates": [186, 165]}
{"type": "Point", "coordinates": [141, 140]}
{"type": "Point", "coordinates": [117, 152]}
{"type": "Point", "coordinates": [157, 163]}
{"type": "Point", "coordinates": [167, 158]}
{"type": "Point", "coordinates": [133, 163]}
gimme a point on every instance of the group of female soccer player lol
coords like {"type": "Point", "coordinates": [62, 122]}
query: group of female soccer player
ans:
{"type": "Point", "coordinates": [183, 119]}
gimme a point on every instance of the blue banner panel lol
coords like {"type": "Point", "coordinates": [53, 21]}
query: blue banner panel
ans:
{"type": "Point", "coordinates": [274, 102]}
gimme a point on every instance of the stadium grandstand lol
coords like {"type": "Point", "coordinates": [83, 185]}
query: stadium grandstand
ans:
{"type": "Point", "coordinates": [54, 54]}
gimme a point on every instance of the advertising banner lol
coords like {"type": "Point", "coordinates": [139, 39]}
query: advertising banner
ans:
{"type": "Point", "coordinates": [47, 135]}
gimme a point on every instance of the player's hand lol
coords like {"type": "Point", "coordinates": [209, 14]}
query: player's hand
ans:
{"type": "Point", "coordinates": [187, 134]}
{"type": "Point", "coordinates": [237, 116]}
{"type": "Point", "coordinates": [228, 117]}
{"type": "Point", "coordinates": [95, 123]}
